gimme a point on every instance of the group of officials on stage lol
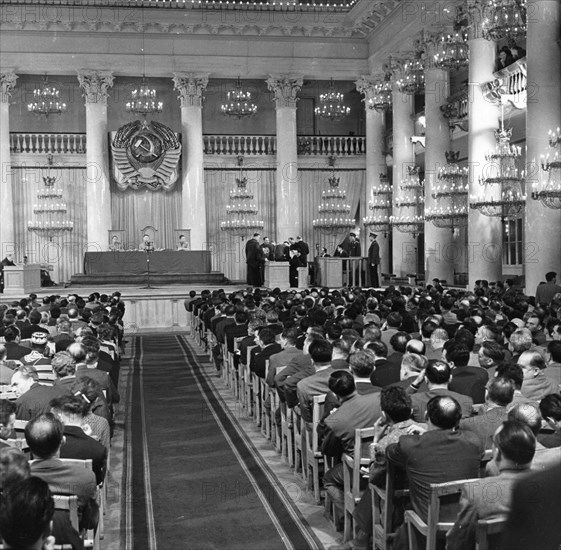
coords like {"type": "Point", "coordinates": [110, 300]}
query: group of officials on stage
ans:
{"type": "Point", "coordinates": [295, 252]}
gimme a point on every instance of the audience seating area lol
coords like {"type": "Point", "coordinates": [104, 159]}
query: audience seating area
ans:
{"type": "Point", "coordinates": [463, 336]}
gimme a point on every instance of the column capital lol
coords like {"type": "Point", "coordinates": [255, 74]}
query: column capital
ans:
{"type": "Point", "coordinates": [191, 88]}
{"type": "Point", "coordinates": [475, 10]}
{"type": "Point", "coordinates": [7, 83]}
{"type": "Point", "coordinates": [285, 89]}
{"type": "Point", "coordinates": [96, 85]}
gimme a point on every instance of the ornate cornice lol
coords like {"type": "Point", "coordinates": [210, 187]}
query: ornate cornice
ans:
{"type": "Point", "coordinates": [95, 85]}
{"type": "Point", "coordinates": [108, 19]}
{"type": "Point", "coordinates": [7, 84]}
{"type": "Point", "coordinates": [191, 88]}
{"type": "Point", "coordinates": [285, 89]}
{"type": "Point", "coordinates": [378, 11]}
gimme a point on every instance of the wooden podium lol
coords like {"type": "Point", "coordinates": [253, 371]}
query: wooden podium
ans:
{"type": "Point", "coordinates": [329, 272]}
{"type": "Point", "coordinates": [276, 275]}
{"type": "Point", "coordinates": [20, 280]}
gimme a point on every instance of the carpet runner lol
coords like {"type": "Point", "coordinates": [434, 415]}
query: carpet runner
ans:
{"type": "Point", "coordinates": [194, 480]}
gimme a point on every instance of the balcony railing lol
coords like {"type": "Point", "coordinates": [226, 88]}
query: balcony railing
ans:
{"type": "Point", "coordinates": [47, 143]}
{"type": "Point", "coordinates": [331, 145]}
{"type": "Point", "coordinates": [510, 85]}
{"type": "Point", "coordinates": [239, 145]}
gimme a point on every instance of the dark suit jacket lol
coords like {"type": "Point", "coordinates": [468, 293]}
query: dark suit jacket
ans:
{"type": "Point", "coordinates": [533, 522]}
{"type": "Point", "coordinates": [82, 446]}
{"type": "Point", "coordinates": [360, 411]}
{"type": "Point", "coordinates": [261, 357]}
{"type": "Point", "coordinates": [434, 458]}
{"type": "Point", "coordinates": [28, 330]}
{"type": "Point", "coordinates": [485, 424]}
{"type": "Point", "coordinates": [221, 328]}
{"type": "Point", "coordinates": [15, 351]}
{"type": "Point", "coordinates": [374, 253]}
{"type": "Point", "coordinates": [385, 373]}
{"type": "Point", "coordinates": [470, 381]}
{"type": "Point", "coordinates": [37, 400]}
{"type": "Point", "coordinates": [254, 253]}
{"type": "Point", "coordinates": [420, 401]}
{"type": "Point", "coordinates": [231, 332]}
{"type": "Point", "coordinates": [299, 367]}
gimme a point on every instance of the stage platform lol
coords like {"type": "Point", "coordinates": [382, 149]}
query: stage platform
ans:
{"type": "Point", "coordinates": [120, 279]}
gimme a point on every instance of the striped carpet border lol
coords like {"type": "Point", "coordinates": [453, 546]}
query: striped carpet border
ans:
{"type": "Point", "coordinates": [294, 530]}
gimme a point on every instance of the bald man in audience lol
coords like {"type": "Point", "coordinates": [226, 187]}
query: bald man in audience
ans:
{"type": "Point", "coordinates": [536, 384]}
{"type": "Point", "coordinates": [44, 435]}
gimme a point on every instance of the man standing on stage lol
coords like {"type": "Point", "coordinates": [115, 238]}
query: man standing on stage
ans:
{"type": "Point", "coordinates": [6, 262]}
{"type": "Point", "coordinates": [255, 260]}
{"type": "Point", "coordinates": [373, 260]}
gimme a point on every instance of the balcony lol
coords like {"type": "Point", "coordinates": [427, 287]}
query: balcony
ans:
{"type": "Point", "coordinates": [64, 143]}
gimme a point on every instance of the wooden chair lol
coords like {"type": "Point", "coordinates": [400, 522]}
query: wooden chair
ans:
{"type": "Point", "coordinates": [444, 499]}
{"type": "Point", "coordinates": [299, 444]}
{"type": "Point", "coordinates": [238, 375]}
{"type": "Point", "coordinates": [489, 531]}
{"type": "Point", "coordinates": [314, 456]}
{"type": "Point", "coordinates": [352, 476]}
{"type": "Point", "coordinates": [46, 375]}
{"type": "Point", "coordinates": [383, 506]}
{"type": "Point", "coordinates": [263, 393]}
{"type": "Point", "coordinates": [252, 389]}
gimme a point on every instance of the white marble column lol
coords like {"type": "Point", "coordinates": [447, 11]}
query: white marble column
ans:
{"type": "Point", "coordinates": [439, 257]}
{"type": "Point", "coordinates": [543, 225]}
{"type": "Point", "coordinates": [484, 249]}
{"type": "Point", "coordinates": [191, 89]}
{"type": "Point", "coordinates": [404, 246]}
{"type": "Point", "coordinates": [288, 210]}
{"type": "Point", "coordinates": [7, 230]}
{"type": "Point", "coordinates": [95, 85]}
{"type": "Point", "coordinates": [375, 161]}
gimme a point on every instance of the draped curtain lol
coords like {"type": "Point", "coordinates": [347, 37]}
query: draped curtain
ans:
{"type": "Point", "coordinates": [312, 183]}
{"type": "Point", "coordinates": [133, 210]}
{"type": "Point", "coordinates": [65, 251]}
{"type": "Point", "coordinates": [229, 249]}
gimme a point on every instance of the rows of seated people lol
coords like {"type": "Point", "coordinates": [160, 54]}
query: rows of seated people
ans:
{"type": "Point", "coordinates": [59, 374]}
{"type": "Point", "coordinates": [451, 385]}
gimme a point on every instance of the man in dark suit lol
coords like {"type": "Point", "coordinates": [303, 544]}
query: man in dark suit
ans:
{"type": "Point", "coordinates": [32, 397]}
{"type": "Point", "coordinates": [255, 260]}
{"type": "Point", "coordinates": [7, 261]}
{"type": "Point", "coordinates": [385, 373]}
{"type": "Point", "coordinates": [303, 248]}
{"type": "Point", "coordinates": [533, 522]}
{"type": "Point", "coordinates": [437, 376]}
{"type": "Point", "coordinates": [12, 338]}
{"type": "Point", "coordinates": [373, 260]}
{"type": "Point", "coordinates": [484, 425]}
{"type": "Point", "coordinates": [491, 497]}
{"type": "Point", "coordinates": [266, 341]}
{"type": "Point", "coordinates": [466, 380]}
{"type": "Point", "coordinates": [434, 456]}
{"type": "Point", "coordinates": [70, 411]}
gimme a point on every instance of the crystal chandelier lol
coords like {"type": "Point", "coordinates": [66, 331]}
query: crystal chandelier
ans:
{"type": "Point", "coordinates": [332, 106]}
{"type": "Point", "coordinates": [504, 174]}
{"type": "Point", "coordinates": [451, 210]}
{"type": "Point", "coordinates": [381, 205]}
{"type": "Point", "coordinates": [504, 19]}
{"type": "Point", "coordinates": [550, 195]}
{"type": "Point", "coordinates": [381, 99]}
{"type": "Point", "coordinates": [143, 101]}
{"type": "Point", "coordinates": [51, 221]}
{"type": "Point", "coordinates": [412, 80]}
{"type": "Point", "coordinates": [241, 214]}
{"type": "Point", "coordinates": [335, 216]}
{"type": "Point", "coordinates": [452, 50]}
{"type": "Point", "coordinates": [46, 101]}
{"type": "Point", "coordinates": [412, 224]}
{"type": "Point", "coordinates": [411, 217]}
{"type": "Point", "coordinates": [239, 103]}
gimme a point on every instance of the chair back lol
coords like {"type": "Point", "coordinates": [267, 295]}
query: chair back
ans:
{"type": "Point", "coordinates": [317, 415]}
{"type": "Point", "coordinates": [489, 532]}
{"type": "Point", "coordinates": [70, 504]}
